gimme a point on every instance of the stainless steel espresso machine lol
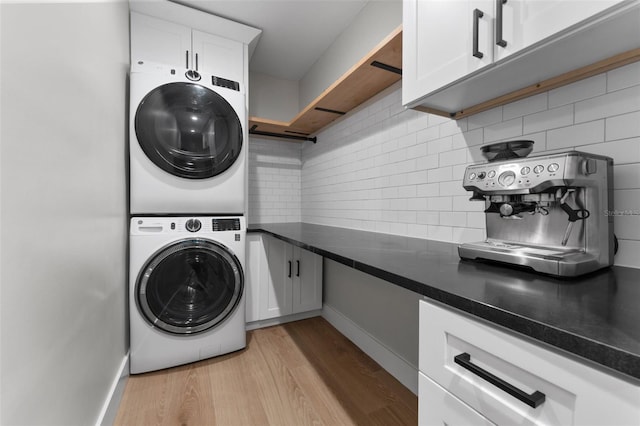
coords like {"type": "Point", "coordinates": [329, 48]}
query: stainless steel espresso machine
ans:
{"type": "Point", "coordinates": [548, 212]}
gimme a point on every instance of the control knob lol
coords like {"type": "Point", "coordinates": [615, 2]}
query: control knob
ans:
{"type": "Point", "coordinates": [193, 225]}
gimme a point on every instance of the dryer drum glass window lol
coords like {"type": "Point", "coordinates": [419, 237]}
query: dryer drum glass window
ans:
{"type": "Point", "coordinates": [189, 286]}
{"type": "Point", "coordinates": [188, 130]}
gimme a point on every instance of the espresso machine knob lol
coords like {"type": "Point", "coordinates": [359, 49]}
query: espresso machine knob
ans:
{"type": "Point", "coordinates": [511, 209]}
{"type": "Point", "coordinates": [506, 209]}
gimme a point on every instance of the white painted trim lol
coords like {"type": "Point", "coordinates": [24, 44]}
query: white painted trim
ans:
{"type": "Point", "coordinates": [395, 365]}
{"type": "Point", "coordinates": [112, 403]}
{"type": "Point", "coordinates": [281, 320]}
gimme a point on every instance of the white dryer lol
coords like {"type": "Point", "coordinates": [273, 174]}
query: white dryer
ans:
{"type": "Point", "coordinates": [186, 290]}
{"type": "Point", "coordinates": [187, 142]}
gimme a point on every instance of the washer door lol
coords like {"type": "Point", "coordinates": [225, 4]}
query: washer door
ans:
{"type": "Point", "coordinates": [189, 286]}
{"type": "Point", "coordinates": [188, 130]}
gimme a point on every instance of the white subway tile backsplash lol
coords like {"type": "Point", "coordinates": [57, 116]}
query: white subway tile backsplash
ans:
{"type": "Point", "coordinates": [387, 169]}
{"type": "Point", "coordinates": [626, 176]}
{"type": "Point", "coordinates": [525, 106]}
{"type": "Point", "coordinates": [628, 253]}
{"type": "Point", "coordinates": [467, 139]}
{"type": "Point", "coordinates": [623, 77]}
{"type": "Point", "coordinates": [608, 105]}
{"type": "Point", "coordinates": [550, 119]}
{"type": "Point", "coordinates": [574, 136]}
{"type": "Point", "coordinates": [578, 91]}
{"type": "Point", "coordinates": [484, 119]}
{"type": "Point", "coordinates": [504, 130]}
{"type": "Point", "coordinates": [623, 126]}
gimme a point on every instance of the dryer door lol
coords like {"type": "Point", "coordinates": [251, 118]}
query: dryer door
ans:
{"type": "Point", "coordinates": [189, 286]}
{"type": "Point", "coordinates": [188, 130]}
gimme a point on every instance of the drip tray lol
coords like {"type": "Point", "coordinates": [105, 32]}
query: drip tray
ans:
{"type": "Point", "coordinates": [521, 249]}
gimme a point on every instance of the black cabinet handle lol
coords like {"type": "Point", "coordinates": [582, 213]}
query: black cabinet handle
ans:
{"type": "Point", "coordinates": [196, 62]}
{"type": "Point", "coordinates": [533, 400]}
{"type": "Point", "coordinates": [289, 276]}
{"type": "Point", "coordinates": [477, 14]}
{"type": "Point", "coordinates": [187, 59]}
{"type": "Point", "coordinates": [499, 40]}
{"type": "Point", "coordinates": [298, 265]}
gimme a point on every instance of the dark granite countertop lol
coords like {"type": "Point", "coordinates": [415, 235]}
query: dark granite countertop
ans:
{"type": "Point", "coordinates": [596, 316]}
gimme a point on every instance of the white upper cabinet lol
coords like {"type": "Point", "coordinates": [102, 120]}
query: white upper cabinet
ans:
{"type": "Point", "coordinates": [159, 41]}
{"type": "Point", "coordinates": [439, 42]}
{"type": "Point", "coordinates": [522, 23]}
{"type": "Point", "coordinates": [218, 56]}
{"type": "Point", "coordinates": [164, 42]}
{"type": "Point", "coordinates": [460, 53]}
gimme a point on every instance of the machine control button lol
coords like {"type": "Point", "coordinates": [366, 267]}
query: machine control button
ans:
{"type": "Point", "coordinates": [491, 174]}
{"type": "Point", "coordinates": [538, 169]}
{"type": "Point", "coordinates": [482, 175]}
{"type": "Point", "coordinates": [525, 170]}
{"type": "Point", "coordinates": [193, 225]}
{"type": "Point", "coordinates": [472, 176]}
{"type": "Point", "coordinates": [507, 178]}
{"type": "Point", "coordinates": [193, 75]}
{"type": "Point", "coordinates": [553, 167]}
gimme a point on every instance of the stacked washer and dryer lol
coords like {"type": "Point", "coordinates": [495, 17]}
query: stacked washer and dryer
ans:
{"type": "Point", "coordinates": [188, 155]}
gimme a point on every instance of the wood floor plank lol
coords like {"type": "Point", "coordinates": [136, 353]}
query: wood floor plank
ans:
{"type": "Point", "coordinates": [300, 373]}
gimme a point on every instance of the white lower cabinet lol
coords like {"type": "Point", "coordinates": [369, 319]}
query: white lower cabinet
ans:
{"type": "Point", "coordinates": [507, 380]}
{"type": "Point", "coordinates": [439, 407]}
{"type": "Point", "coordinates": [282, 279]}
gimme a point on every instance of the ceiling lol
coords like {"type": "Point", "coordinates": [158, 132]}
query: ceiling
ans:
{"type": "Point", "coordinates": [295, 33]}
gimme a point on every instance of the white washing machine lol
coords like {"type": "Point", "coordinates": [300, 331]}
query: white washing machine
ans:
{"type": "Point", "coordinates": [186, 290]}
{"type": "Point", "coordinates": [187, 142]}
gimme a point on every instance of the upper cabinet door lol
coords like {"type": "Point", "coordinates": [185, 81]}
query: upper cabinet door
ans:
{"type": "Point", "coordinates": [218, 56]}
{"type": "Point", "coordinates": [522, 23]}
{"type": "Point", "coordinates": [159, 41]}
{"type": "Point", "coordinates": [444, 41]}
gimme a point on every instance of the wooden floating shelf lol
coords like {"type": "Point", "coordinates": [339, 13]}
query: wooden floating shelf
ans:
{"type": "Point", "coordinates": [378, 70]}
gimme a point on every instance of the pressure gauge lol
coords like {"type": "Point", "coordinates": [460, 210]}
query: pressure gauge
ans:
{"type": "Point", "coordinates": [507, 178]}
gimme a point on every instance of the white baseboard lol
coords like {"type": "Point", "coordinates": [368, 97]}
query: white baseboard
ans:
{"type": "Point", "coordinates": [395, 365]}
{"type": "Point", "coordinates": [281, 320]}
{"type": "Point", "coordinates": [110, 408]}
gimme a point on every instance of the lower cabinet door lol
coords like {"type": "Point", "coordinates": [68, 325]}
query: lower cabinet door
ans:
{"type": "Point", "coordinates": [275, 297]}
{"type": "Point", "coordinates": [436, 406]}
{"type": "Point", "coordinates": [307, 280]}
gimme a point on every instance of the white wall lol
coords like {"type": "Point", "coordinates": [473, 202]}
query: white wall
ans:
{"type": "Point", "coordinates": [272, 98]}
{"type": "Point", "coordinates": [382, 168]}
{"type": "Point", "coordinates": [63, 195]}
{"type": "Point", "coordinates": [375, 22]}
{"type": "Point", "coordinates": [274, 181]}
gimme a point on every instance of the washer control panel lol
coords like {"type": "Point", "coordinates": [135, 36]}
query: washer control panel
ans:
{"type": "Point", "coordinates": [517, 174]}
{"type": "Point", "coordinates": [189, 225]}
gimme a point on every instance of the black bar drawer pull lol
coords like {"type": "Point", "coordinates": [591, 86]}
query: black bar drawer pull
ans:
{"type": "Point", "coordinates": [289, 275]}
{"type": "Point", "coordinates": [533, 400]}
{"type": "Point", "coordinates": [298, 270]}
{"type": "Point", "coordinates": [499, 40]}
{"type": "Point", "coordinates": [477, 14]}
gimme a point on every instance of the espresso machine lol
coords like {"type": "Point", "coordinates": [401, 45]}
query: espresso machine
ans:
{"type": "Point", "coordinates": [547, 213]}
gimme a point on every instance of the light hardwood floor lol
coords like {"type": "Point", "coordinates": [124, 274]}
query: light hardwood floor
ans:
{"type": "Point", "coordinates": [300, 373]}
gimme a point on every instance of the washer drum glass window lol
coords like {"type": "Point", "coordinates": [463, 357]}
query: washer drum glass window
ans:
{"type": "Point", "coordinates": [189, 286]}
{"type": "Point", "coordinates": [188, 130]}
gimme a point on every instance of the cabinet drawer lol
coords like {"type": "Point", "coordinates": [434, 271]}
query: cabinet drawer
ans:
{"type": "Point", "coordinates": [574, 393]}
{"type": "Point", "coordinates": [439, 407]}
